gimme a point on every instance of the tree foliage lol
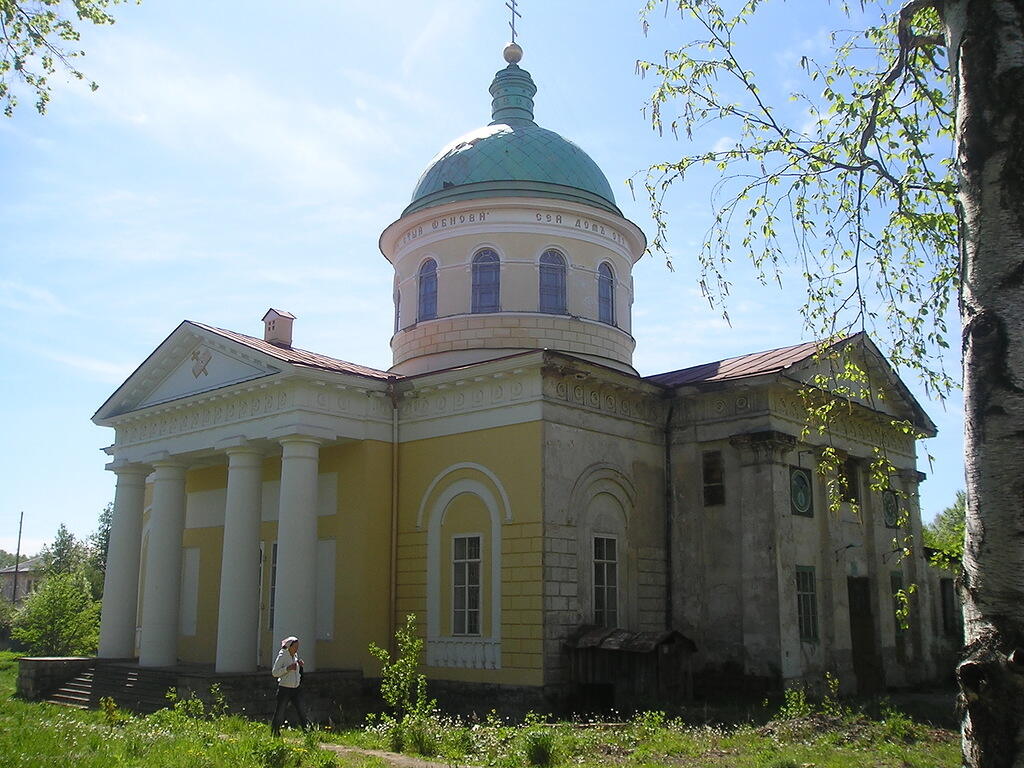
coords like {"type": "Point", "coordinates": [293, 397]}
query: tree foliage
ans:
{"type": "Point", "coordinates": [59, 619]}
{"type": "Point", "coordinates": [946, 532]}
{"type": "Point", "coordinates": [34, 38]}
{"type": "Point", "coordinates": [899, 187]}
{"type": "Point", "coordinates": [851, 184]}
{"type": "Point", "coordinates": [66, 554]}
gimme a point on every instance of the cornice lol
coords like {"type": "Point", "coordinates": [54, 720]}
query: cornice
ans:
{"type": "Point", "coordinates": [552, 218]}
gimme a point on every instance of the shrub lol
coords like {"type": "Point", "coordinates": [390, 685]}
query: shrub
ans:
{"type": "Point", "coordinates": [59, 619]}
{"type": "Point", "coordinates": [539, 746]}
{"type": "Point", "coordinates": [796, 704]}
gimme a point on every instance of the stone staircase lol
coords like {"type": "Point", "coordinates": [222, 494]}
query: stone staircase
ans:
{"type": "Point", "coordinates": [138, 690]}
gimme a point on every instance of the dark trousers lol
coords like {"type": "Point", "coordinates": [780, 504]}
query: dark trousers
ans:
{"type": "Point", "coordinates": [285, 695]}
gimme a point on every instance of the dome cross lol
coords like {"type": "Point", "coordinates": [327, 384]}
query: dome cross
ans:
{"type": "Point", "coordinates": [511, 5]}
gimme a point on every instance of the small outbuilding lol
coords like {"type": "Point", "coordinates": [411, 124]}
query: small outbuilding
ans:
{"type": "Point", "coordinates": [613, 667]}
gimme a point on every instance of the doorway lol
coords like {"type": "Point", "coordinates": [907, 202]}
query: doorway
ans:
{"type": "Point", "coordinates": [867, 662]}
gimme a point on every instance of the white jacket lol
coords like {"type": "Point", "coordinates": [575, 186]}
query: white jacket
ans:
{"type": "Point", "coordinates": [286, 678]}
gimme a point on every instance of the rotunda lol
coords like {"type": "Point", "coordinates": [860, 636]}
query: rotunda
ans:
{"type": "Point", "coordinates": [512, 242]}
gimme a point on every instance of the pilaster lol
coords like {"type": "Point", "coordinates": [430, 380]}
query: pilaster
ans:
{"type": "Point", "coordinates": [762, 494]}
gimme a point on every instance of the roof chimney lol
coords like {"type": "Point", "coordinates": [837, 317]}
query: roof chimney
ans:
{"type": "Point", "coordinates": [277, 327]}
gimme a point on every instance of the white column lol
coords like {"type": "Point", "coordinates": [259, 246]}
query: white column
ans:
{"type": "Point", "coordinates": [121, 583]}
{"type": "Point", "coordinates": [239, 611]}
{"type": "Point", "coordinates": [159, 643]}
{"type": "Point", "coordinates": [295, 599]}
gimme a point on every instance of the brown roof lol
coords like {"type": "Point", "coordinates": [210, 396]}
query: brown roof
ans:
{"type": "Point", "coordinates": [296, 356]}
{"type": "Point", "coordinates": [744, 366]}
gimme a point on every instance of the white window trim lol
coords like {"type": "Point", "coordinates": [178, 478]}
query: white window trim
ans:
{"type": "Point", "coordinates": [475, 652]}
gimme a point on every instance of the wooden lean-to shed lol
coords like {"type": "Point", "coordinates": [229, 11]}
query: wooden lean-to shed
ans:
{"type": "Point", "coordinates": [616, 667]}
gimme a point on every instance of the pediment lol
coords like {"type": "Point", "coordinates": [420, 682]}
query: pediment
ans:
{"type": "Point", "coordinates": [190, 361]}
{"type": "Point", "coordinates": [883, 391]}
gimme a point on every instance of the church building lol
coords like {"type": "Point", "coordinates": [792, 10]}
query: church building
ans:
{"type": "Point", "coordinates": [511, 480]}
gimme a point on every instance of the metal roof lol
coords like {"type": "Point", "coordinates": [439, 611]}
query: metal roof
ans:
{"type": "Point", "coordinates": [296, 356]}
{"type": "Point", "coordinates": [744, 366]}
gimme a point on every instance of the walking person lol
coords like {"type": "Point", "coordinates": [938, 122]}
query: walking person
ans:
{"type": "Point", "coordinates": [288, 671]}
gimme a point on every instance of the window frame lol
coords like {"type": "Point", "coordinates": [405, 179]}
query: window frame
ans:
{"type": "Point", "coordinates": [606, 293]}
{"type": "Point", "coordinates": [553, 264]}
{"type": "Point", "coordinates": [605, 616]}
{"type": "Point", "coordinates": [426, 291]}
{"type": "Point", "coordinates": [486, 262]}
{"type": "Point", "coordinates": [466, 610]}
{"type": "Point", "coordinates": [713, 491]}
{"type": "Point", "coordinates": [807, 604]}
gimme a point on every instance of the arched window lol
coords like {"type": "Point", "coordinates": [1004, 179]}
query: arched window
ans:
{"type": "Point", "coordinates": [486, 281]}
{"type": "Point", "coordinates": [398, 307]}
{"type": "Point", "coordinates": [428, 290]}
{"type": "Point", "coordinates": [552, 283]}
{"type": "Point", "coordinates": [606, 294]}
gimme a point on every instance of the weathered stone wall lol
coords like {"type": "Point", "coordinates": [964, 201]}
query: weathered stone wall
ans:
{"type": "Point", "coordinates": [40, 676]}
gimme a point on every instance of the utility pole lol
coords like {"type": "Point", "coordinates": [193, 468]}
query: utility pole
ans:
{"type": "Point", "coordinates": [17, 559]}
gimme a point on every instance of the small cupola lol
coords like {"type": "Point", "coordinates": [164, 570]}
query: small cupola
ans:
{"type": "Point", "coordinates": [277, 327]}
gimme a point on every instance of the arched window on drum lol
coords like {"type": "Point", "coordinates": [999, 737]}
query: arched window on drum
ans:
{"type": "Point", "coordinates": [427, 291]}
{"type": "Point", "coordinates": [552, 283]}
{"type": "Point", "coordinates": [486, 281]}
{"type": "Point", "coordinates": [606, 294]}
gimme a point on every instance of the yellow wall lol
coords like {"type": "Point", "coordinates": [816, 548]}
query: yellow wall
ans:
{"type": "Point", "coordinates": [513, 455]}
{"type": "Point", "coordinates": [361, 531]}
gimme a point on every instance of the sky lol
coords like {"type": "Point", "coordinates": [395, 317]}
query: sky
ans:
{"type": "Point", "coordinates": [239, 156]}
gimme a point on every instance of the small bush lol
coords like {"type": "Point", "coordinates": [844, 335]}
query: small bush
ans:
{"type": "Point", "coordinates": [59, 619]}
{"type": "Point", "coordinates": [539, 747]}
{"type": "Point", "coordinates": [796, 705]}
{"type": "Point", "coordinates": [897, 726]}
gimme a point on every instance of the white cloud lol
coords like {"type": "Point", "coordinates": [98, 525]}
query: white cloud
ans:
{"type": "Point", "coordinates": [30, 299]}
{"type": "Point", "coordinates": [233, 119]}
{"type": "Point", "coordinates": [93, 368]}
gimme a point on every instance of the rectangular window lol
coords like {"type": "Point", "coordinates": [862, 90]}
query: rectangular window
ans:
{"type": "Point", "coordinates": [801, 492]}
{"type": "Point", "coordinates": [466, 585]}
{"type": "Point", "coordinates": [950, 615]}
{"type": "Point", "coordinates": [273, 587]}
{"type": "Point", "coordinates": [714, 479]}
{"type": "Point", "coordinates": [850, 471]}
{"type": "Point", "coordinates": [606, 582]}
{"type": "Point", "coordinates": [806, 603]}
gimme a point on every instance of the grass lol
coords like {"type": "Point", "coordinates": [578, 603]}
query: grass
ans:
{"type": "Point", "coordinates": [40, 735]}
{"type": "Point", "coordinates": [828, 735]}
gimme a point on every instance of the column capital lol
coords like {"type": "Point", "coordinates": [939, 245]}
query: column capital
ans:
{"type": "Point", "coordinates": [169, 470]}
{"type": "Point", "coordinates": [911, 476]}
{"type": "Point", "coordinates": [127, 471]}
{"type": "Point", "coordinates": [767, 446]}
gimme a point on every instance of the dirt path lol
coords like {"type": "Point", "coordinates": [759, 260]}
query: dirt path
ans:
{"type": "Point", "coordinates": [393, 758]}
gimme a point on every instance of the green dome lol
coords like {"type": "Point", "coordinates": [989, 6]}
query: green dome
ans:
{"type": "Point", "coordinates": [512, 157]}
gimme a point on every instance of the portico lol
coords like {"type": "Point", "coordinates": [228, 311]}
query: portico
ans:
{"type": "Point", "coordinates": [264, 434]}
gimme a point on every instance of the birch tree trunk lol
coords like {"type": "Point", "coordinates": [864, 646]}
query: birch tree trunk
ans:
{"type": "Point", "coordinates": [986, 45]}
